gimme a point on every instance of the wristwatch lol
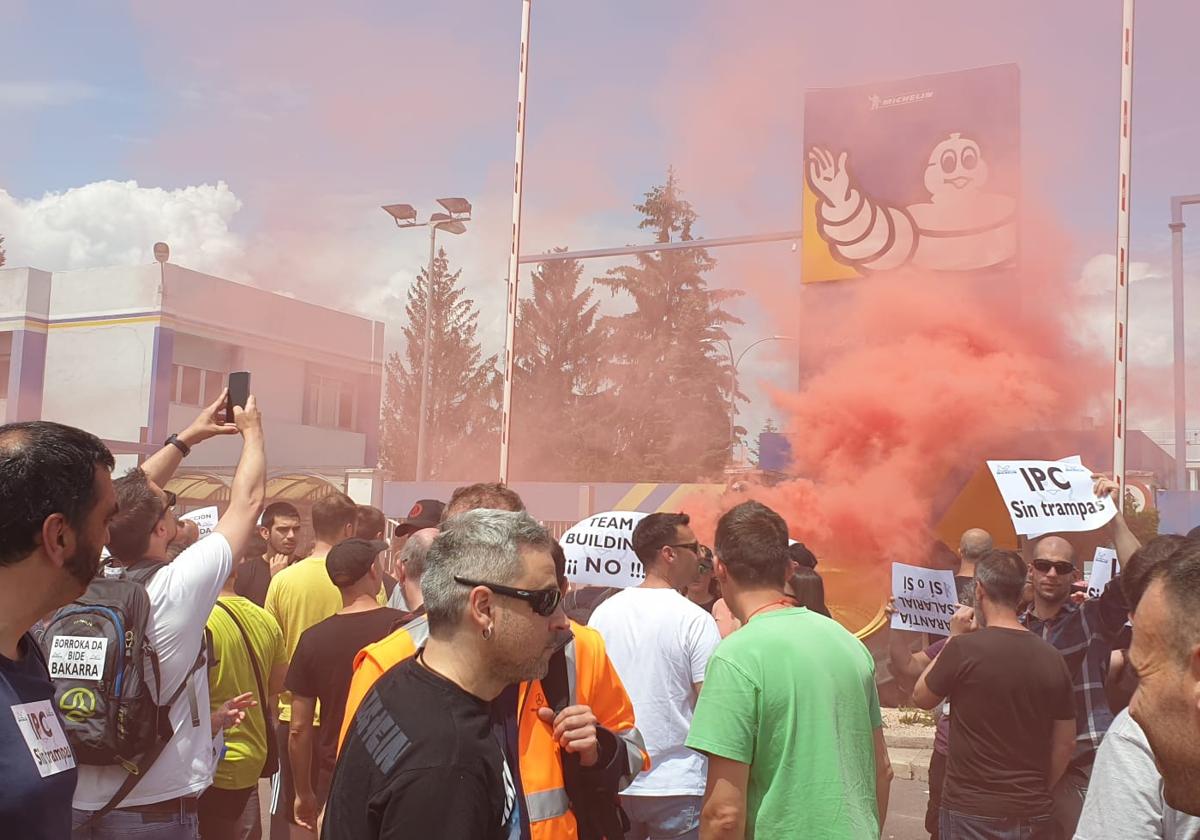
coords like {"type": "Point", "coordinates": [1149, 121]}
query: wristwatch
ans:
{"type": "Point", "coordinates": [174, 440]}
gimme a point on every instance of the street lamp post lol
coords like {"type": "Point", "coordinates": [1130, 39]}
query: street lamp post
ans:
{"type": "Point", "coordinates": [1176, 226]}
{"type": "Point", "coordinates": [405, 216]}
{"type": "Point", "coordinates": [734, 364]}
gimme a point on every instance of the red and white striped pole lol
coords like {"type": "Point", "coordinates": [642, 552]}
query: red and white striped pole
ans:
{"type": "Point", "coordinates": [510, 331]}
{"type": "Point", "coordinates": [1121, 349]}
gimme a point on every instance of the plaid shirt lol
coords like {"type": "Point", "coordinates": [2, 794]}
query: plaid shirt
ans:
{"type": "Point", "coordinates": [1084, 634]}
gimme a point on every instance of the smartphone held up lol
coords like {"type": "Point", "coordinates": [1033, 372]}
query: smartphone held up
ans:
{"type": "Point", "coordinates": [239, 392]}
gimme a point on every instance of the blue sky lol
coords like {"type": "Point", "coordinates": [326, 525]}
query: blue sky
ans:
{"type": "Point", "coordinates": [312, 115]}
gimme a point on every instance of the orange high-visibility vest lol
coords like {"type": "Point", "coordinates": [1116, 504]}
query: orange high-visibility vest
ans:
{"type": "Point", "coordinates": [595, 684]}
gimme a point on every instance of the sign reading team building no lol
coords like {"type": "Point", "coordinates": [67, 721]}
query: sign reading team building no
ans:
{"type": "Point", "coordinates": [919, 173]}
{"type": "Point", "coordinates": [599, 550]}
{"type": "Point", "coordinates": [77, 657]}
{"type": "Point", "coordinates": [925, 599]}
{"type": "Point", "coordinates": [1047, 496]}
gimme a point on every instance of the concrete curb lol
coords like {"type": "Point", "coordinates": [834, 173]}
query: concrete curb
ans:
{"type": "Point", "coordinates": [909, 763]}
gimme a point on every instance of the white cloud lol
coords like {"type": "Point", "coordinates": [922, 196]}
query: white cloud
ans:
{"type": "Point", "coordinates": [117, 223]}
{"type": "Point", "coordinates": [44, 94]}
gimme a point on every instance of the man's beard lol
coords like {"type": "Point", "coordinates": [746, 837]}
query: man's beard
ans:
{"type": "Point", "coordinates": [84, 563]}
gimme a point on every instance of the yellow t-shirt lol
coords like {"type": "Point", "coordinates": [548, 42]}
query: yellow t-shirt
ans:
{"type": "Point", "coordinates": [299, 597]}
{"type": "Point", "coordinates": [231, 675]}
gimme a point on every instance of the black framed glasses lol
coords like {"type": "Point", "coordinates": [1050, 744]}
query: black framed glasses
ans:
{"type": "Point", "coordinates": [693, 547]}
{"type": "Point", "coordinates": [542, 601]}
{"type": "Point", "coordinates": [1062, 567]}
{"type": "Point", "coordinates": [168, 503]}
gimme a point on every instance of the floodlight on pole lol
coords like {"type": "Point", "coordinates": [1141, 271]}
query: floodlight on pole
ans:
{"type": "Point", "coordinates": [405, 216]}
{"type": "Point", "coordinates": [456, 207]}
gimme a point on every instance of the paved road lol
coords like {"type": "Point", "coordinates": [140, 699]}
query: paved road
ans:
{"type": "Point", "coordinates": [905, 821]}
{"type": "Point", "coordinates": [906, 811]}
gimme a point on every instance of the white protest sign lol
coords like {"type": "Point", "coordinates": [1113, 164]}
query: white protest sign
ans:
{"type": "Point", "coordinates": [599, 550]}
{"type": "Point", "coordinates": [1104, 564]}
{"type": "Point", "coordinates": [1047, 496]}
{"type": "Point", "coordinates": [205, 518]}
{"type": "Point", "coordinates": [77, 657]}
{"type": "Point", "coordinates": [44, 737]}
{"type": "Point", "coordinates": [925, 599]}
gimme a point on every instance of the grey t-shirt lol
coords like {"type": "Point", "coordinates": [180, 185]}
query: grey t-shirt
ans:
{"type": "Point", "coordinates": [1125, 797]}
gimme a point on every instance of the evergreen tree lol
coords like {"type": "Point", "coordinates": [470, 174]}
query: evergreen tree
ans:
{"type": "Point", "coordinates": [1, 252]}
{"type": "Point", "coordinates": [671, 371]}
{"type": "Point", "coordinates": [559, 372]}
{"type": "Point", "coordinates": [463, 418]}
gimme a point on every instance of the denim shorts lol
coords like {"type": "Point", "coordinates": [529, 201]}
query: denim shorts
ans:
{"type": "Point", "coordinates": [957, 826]}
{"type": "Point", "coordinates": [663, 817]}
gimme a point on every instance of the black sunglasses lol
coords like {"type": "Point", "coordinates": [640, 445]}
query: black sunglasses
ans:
{"type": "Point", "coordinates": [542, 601]}
{"type": "Point", "coordinates": [1061, 566]}
{"type": "Point", "coordinates": [167, 504]}
{"type": "Point", "coordinates": [693, 547]}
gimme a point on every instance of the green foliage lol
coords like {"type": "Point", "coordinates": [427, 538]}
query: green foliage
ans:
{"type": "Point", "coordinates": [559, 431]}
{"type": "Point", "coordinates": [1143, 523]}
{"type": "Point", "coordinates": [671, 376]}
{"type": "Point", "coordinates": [464, 388]}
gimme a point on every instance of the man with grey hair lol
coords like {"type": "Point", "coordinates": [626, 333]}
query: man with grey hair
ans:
{"type": "Point", "coordinates": [423, 756]}
{"type": "Point", "coordinates": [1166, 656]}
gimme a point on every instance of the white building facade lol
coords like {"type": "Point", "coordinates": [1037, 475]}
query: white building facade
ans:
{"type": "Point", "coordinates": [132, 353]}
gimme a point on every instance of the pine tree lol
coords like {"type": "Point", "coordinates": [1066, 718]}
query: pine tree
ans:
{"type": "Point", "coordinates": [672, 374]}
{"type": "Point", "coordinates": [1, 252]}
{"type": "Point", "coordinates": [557, 433]}
{"type": "Point", "coordinates": [463, 418]}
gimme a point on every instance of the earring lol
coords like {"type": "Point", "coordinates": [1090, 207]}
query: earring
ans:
{"type": "Point", "coordinates": [487, 632]}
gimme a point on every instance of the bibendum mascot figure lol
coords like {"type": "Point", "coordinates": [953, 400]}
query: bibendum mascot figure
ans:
{"type": "Point", "coordinates": [960, 228]}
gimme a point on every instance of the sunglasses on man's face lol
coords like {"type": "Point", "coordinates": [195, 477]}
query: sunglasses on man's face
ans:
{"type": "Point", "coordinates": [693, 547]}
{"type": "Point", "coordinates": [1062, 567]}
{"type": "Point", "coordinates": [542, 601]}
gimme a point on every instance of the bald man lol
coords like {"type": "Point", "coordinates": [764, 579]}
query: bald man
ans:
{"type": "Point", "coordinates": [972, 545]}
{"type": "Point", "coordinates": [1085, 635]}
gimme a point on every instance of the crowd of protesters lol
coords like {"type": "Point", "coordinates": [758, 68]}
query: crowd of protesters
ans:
{"type": "Point", "coordinates": [151, 690]}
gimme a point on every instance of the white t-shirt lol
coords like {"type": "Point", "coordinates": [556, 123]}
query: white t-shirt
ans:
{"type": "Point", "coordinates": [182, 595]}
{"type": "Point", "coordinates": [659, 642]}
{"type": "Point", "coordinates": [1125, 795]}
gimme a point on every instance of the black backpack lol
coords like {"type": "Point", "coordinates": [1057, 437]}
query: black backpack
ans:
{"type": "Point", "coordinates": [107, 682]}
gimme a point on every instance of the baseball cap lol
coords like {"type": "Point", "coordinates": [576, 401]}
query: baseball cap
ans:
{"type": "Point", "coordinates": [426, 513]}
{"type": "Point", "coordinates": [350, 559]}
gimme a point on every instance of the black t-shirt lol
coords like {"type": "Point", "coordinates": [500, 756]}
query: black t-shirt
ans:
{"type": "Point", "coordinates": [253, 579]}
{"type": "Point", "coordinates": [32, 806]}
{"type": "Point", "coordinates": [1006, 688]}
{"type": "Point", "coordinates": [323, 665]}
{"type": "Point", "coordinates": [422, 759]}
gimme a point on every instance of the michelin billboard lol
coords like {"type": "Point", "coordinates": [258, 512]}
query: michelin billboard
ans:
{"type": "Point", "coordinates": [920, 173]}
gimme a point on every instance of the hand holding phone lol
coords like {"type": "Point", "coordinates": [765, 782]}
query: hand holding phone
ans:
{"type": "Point", "coordinates": [239, 392]}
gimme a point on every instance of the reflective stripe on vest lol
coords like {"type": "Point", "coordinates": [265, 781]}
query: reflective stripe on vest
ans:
{"type": "Point", "coordinates": [572, 676]}
{"type": "Point", "coordinates": [635, 746]}
{"type": "Point", "coordinates": [547, 804]}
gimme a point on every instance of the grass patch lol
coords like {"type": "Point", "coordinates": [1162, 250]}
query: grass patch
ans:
{"type": "Point", "coordinates": [917, 717]}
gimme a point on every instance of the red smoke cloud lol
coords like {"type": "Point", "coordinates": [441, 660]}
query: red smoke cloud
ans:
{"type": "Point", "coordinates": [930, 376]}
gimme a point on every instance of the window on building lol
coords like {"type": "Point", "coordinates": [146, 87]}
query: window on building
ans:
{"type": "Point", "coordinates": [5, 365]}
{"type": "Point", "coordinates": [195, 386]}
{"type": "Point", "coordinates": [329, 403]}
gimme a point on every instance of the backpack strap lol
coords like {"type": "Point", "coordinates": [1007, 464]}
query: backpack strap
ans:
{"type": "Point", "coordinates": [136, 772]}
{"type": "Point", "coordinates": [258, 679]}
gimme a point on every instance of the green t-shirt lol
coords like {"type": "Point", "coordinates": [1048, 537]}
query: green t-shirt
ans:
{"type": "Point", "coordinates": [231, 675]}
{"type": "Point", "coordinates": [793, 695]}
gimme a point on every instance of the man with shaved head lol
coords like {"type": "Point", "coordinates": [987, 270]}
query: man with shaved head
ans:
{"type": "Point", "coordinates": [974, 543]}
{"type": "Point", "coordinates": [1085, 635]}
